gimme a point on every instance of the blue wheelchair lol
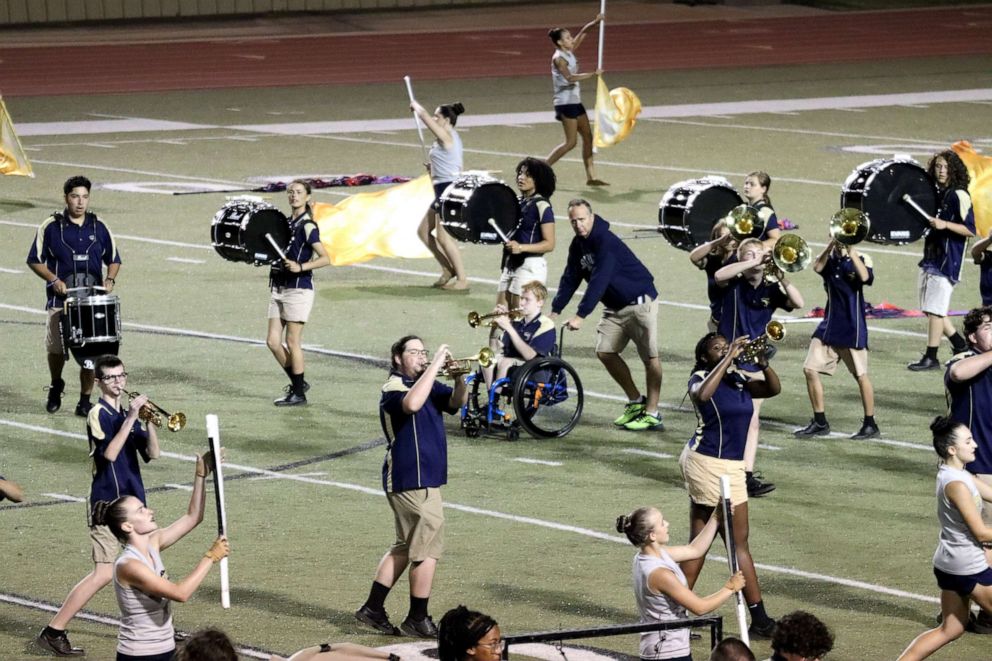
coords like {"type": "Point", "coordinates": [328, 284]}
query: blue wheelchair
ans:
{"type": "Point", "coordinates": [543, 396]}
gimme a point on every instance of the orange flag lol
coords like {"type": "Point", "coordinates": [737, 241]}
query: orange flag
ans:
{"type": "Point", "coordinates": [379, 224]}
{"type": "Point", "coordinates": [12, 158]}
{"type": "Point", "coordinates": [980, 188]}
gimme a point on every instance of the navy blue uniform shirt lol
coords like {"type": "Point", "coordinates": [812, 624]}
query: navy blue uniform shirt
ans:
{"type": "Point", "coordinates": [969, 402]}
{"type": "Point", "coordinates": [943, 250]}
{"type": "Point", "coordinates": [843, 324]}
{"type": "Point", "coordinates": [304, 233]}
{"type": "Point", "coordinates": [121, 477]}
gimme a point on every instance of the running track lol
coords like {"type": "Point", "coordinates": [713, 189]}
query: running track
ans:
{"type": "Point", "coordinates": [370, 57]}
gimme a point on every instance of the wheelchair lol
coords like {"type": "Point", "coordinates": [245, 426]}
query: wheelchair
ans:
{"type": "Point", "coordinates": [543, 396]}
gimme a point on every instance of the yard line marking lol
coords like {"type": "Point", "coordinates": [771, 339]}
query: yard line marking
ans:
{"type": "Point", "coordinates": [185, 260]}
{"type": "Point", "coordinates": [66, 497]}
{"type": "Point", "coordinates": [469, 509]}
{"type": "Point", "coordinates": [181, 487]}
{"type": "Point", "coordinates": [765, 446]}
{"type": "Point", "coordinates": [647, 453]}
{"type": "Point", "coordinates": [759, 127]}
{"type": "Point", "coordinates": [541, 462]}
{"type": "Point", "coordinates": [14, 271]}
{"type": "Point", "coordinates": [130, 125]}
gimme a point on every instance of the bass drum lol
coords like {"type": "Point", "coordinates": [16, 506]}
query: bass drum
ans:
{"type": "Point", "coordinates": [689, 209]}
{"type": "Point", "coordinates": [91, 325]}
{"type": "Point", "coordinates": [877, 188]}
{"type": "Point", "coordinates": [473, 203]}
{"type": "Point", "coordinates": [239, 228]}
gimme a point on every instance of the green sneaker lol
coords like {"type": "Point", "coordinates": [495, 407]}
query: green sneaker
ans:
{"type": "Point", "coordinates": [631, 412]}
{"type": "Point", "coordinates": [645, 422]}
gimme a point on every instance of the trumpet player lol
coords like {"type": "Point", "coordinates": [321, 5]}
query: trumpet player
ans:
{"type": "Point", "coordinates": [533, 334]}
{"type": "Point", "coordinates": [411, 412]}
{"type": "Point", "coordinates": [116, 441]}
{"type": "Point", "coordinates": [841, 336]}
{"type": "Point", "coordinates": [748, 305]}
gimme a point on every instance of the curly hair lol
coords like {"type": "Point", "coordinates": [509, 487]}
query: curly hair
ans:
{"type": "Point", "coordinates": [542, 174]}
{"type": "Point", "coordinates": [802, 633]}
{"type": "Point", "coordinates": [460, 629]}
{"type": "Point", "coordinates": [957, 173]}
{"type": "Point", "coordinates": [975, 318]}
{"type": "Point", "coordinates": [207, 645]}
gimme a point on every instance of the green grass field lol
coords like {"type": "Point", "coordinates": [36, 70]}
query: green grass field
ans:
{"type": "Point", "coordinates": [848, 534]}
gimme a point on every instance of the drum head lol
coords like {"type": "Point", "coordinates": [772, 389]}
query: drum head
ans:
{"type": "Point", "coordinates": [877, 189]}
{"type": "Point", "coordinates": [262, 222]}
{"type": "Point", "coordinates": [689, 210]}
{"type": "Point", "coordinates": [471, 205]}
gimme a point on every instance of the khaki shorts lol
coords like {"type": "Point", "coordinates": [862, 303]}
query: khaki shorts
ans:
{"type": "Point", "coordinates": [823, 358]}
{"type": "Point", "coordinates": [53, 332]}
{"type": "Point", "coordinates": [291, 304]}
{"type": "Point", "coordinates": [702, 478]}
{"type": "Point", "coordinates": [935, 293]}
{"type": "Point", "coordinates": [637, 323]}
{"type": "Point", "coordinates": [106, 547]}
{"type": "Point", "coordinates": [513, 280]}
{"type": "Point", "coordinates": [419, 516]}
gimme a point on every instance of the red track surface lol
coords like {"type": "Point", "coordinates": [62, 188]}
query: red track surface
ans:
{"type": "Point", "coordinates": [369, 57]}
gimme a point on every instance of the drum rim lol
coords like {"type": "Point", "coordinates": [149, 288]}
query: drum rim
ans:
{"type": "Point", "coordinates": [97, 299]}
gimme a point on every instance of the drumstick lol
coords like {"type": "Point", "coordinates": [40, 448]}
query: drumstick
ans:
{"type": "Point", "coordinates": [911, 202]}
{"type": "Point", "coordinates": [416, 117]}
{"type": "Point", "coordinates": [213, 437]}
{"type": "Point", "coordinates": [504, 237]}
{"type": "Point", "coordinates": [275, 246]}
{"type": "Point", "coordinates": [728, 536]}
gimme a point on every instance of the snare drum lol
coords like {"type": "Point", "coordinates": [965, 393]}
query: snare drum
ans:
{"type": "Point", "coordinates": [877, 187]}
{"type": "Point", "coordinates": [91, 325]}
{"type": "Point", "coordinates": [473, 203]}
{"type": "Point", "coordinates": [689, 209]}
{"type": "Point", "coordinates": [239, 228]}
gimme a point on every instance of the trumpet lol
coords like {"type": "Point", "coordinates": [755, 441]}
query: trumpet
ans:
{"type": "Point", "coordinates": [849, 226]}
{"type": "Point", "coordinates": [754, 349]}
{"type": "Point", "coordinates": [744, 222]}
{"type": "Point", "coordinates": [153, 414]}
{"type": "Point", "coordinates": [475, 319]}
{"type": "Point", "coordinates": [789, 255]}
{"type": "Point", "coordinates": [455, 367]}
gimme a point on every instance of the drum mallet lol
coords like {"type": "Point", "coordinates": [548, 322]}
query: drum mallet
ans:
{"type": "Point", "coordinates": [504, 237]}
{"type": "Point", "coordinates": [416, 117]}
{"type": "Point", "coordinates": [213, 436]}
{"type": "Point", "coordinates": [911, 202]}
{"type": "Point", "coordinates": [728, 535]}
{"type": "Point", "coordinates": [275, 246]}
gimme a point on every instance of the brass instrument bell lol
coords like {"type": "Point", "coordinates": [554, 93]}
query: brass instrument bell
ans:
{"type": "Point", "coordinates": [152, 413]}
{"type": "Point", "coordinates": [475, 319]}
{"type": "Point", "coordinates": [754, 349]}
{"type": "Point", "coordinates": [744, 222]}
{"type": "Point", "coordinates": [455, 367]}
{"type": "Point", "coordinates": [790, 254]}
{"type": "Point", "coordinates": [849, 226]}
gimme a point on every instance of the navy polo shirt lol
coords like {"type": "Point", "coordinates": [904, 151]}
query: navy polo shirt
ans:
{"type": "Point", "coordinates": [766, 212]}
{"type": "Point", "coordinates": [304, 233]}
{"type": "Point", "coordinates": [722, 422]}
{"type": "Point", "coordinates": [985, 278]}
{"type": "Point", "coordinates": [711, 264]}
{"type": "Point", "coordinates": [67, 249]}
{"type": "Point", "coordinates": [969, 403]}
{"type": "Point", "coordinates": [121, 477]}
{"type": "Point", "coordinates": [747, 310]}
{"type": "Point", "coordinates": [539, 334]}
{"type": "Point", "coordinates": [843, 322]}
{"type": "Point", "coordinates": [943, 250]}
{"type": "Point", "coordinates": [534, 212]}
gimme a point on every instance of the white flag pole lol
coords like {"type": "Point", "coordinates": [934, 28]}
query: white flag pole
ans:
{"type": "Point", "coordinates": [416, 117]}
{"type": "Point", "coordinates": [213, 436]}
{"type": "Point", "coordinates": [599, 65]}
{"type": "Point", "coordinates": [728, 535]}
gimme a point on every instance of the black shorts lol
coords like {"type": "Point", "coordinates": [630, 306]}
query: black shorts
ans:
{"type": "Point", "coordinates": [569, 111]}
{"type": "Point", "coordinates": [963, 585]}
{"type": "Point", "coordinates": [438, 190]}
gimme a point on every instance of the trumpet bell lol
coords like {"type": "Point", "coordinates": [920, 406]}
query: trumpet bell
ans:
{"type": "Point", "coordinates": [177, 421]}
{"type": "Point", "coordinates": [791, 253]}
{"type": "Point", "coordinates": [752, 351]}
{"type": "Point", "coordinates": [744, 222]}
{"type": "Point", "coordinates": [486, 357]}
{"type": "Point", "coordinates": [775, 330]}
{"type": "Point", "coordinates": [849, 226]}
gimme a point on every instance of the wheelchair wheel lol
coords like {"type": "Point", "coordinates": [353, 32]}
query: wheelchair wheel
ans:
{"type": "Point", "coordinates": [547, 397]}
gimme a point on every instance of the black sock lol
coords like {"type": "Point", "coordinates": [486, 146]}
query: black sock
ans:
{"type": "Point", "coordinates": [748, 475]}
{"type": "Point", "coordinates": [297, 380]}
{"type": "Point", "coordinates": [288, 369]}
{"type": "Point", "coordinates": [870, 420]}
{"type": "Point", "coordinates": [377, 597]}
{"type": "Point", "coordinates": [820, 418]}
{"type": "Point", "coordinates": [957, 341]}
{"type": "Point", "coordinates": [640, 400]}
{"type": "Point", "coordinates": [758, 614]}
{"type": "Point", "coordinates": [84, 399]}
{"type": "Point", "coordinates": [418, 608]}
{"type": "Point", "coordinates": [51, 631]}
{"type": "Point", "coordinates": [931, 353]}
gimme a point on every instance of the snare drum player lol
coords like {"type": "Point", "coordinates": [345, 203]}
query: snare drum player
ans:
{"type": "Point", "coordinates": [411, 412]}
{"type": "Point", "coordinates": [70, 250]}
{"type": "Point", "coordinates": [841, 336]}
{"type": "Point", "coordinates": [116, 440]}
{"type": "Point", "coordinates": [943, 254]}
{"type": "Point", "coordinates": [293, 294]}
{"type": "Point", "coordinates": [756, 185]}
{"type": "Point", "coordinates": [617, 279]}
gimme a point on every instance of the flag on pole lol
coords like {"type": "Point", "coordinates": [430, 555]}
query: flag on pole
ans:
{"type": "Point", "coordinates": [980, 188]}
{"type": "Point", "coordinates": [379, 224]}
{"type": "Point", "coordinates": [12, 158]}
{"type": "Point", "coordinates": [616, 114]}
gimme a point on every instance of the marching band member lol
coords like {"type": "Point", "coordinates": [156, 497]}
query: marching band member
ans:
{"type": "Point", "coordinates": [841, 336]}
{"type": "Point", "coordinates": [292, 292]}
{"type": "Point", "coordinates": [756, 185]}
{"type": "Point", "coordinates": [801, 636]}
{"type": "Point", "coordinates": [748, 305]}
{"type": "Point", "coordinates": [415, 469]}
{"type": "Point", "coordinates": [116, 440]}
{"type": "Point", "coordinates": [467, 635]}
{"type": "Point", "coordinates": [445, 165]}
{"type": "Point", "coordinates": [530, 336]}
{"type": "Point", "coordinates": [943, 254]}
{"type": "Point", "coordinates": [619, 280]}
{"type": "Point", "coordinates": [569, 110]}
{"type": "Point", "coordinates": [711, 257]}
{"type": "Point", "coordinates": [70, 250]}
{"type": "Point", "coordinates": [724, 403]}
{"type": "Point", "coordinates": [983, 257]}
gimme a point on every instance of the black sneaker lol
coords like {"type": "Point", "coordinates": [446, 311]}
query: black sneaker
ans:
{"type": "Point", "coordinates": [756, 488]}
{"type": "Point", "coordinates": [83, 409]}
{"type": "Point", "coordinates": [761, 630]}
{"type": "Point", "coordinates": [55, 391]}
{"type": "Point", "coordinates": [923, 364]}
{"type": "Point", "coordinates": [292, 399]}
{"type": "Point", "coordinates": [58, 643]}
{"type": "Point", "coordinates": [377, 620]}
{"type": "Point", "coordinates": [424, 628]}
{"type": "Point", "coordinates": [814, 428]}
{"type": "Point", "coordinates": [980, 624]}
{"type": "Point", "coordinates": [867, 430]}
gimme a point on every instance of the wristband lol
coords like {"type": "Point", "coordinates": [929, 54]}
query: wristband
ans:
{"type": "Point", "coordinates": [53, 280]}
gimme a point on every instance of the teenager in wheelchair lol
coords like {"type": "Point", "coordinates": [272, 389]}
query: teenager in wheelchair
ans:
{"type": "Point", "coordinates": [527, 385]}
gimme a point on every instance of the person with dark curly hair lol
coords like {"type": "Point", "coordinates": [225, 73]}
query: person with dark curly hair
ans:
{"type": "Point", "coordinates": [943, 254]}
{"type": "Point", "coordinates": [731, 649]}
{"type": "Point", "coordinates": [801, 636]}
{"type": "Point", "coordinates": [465, 635]}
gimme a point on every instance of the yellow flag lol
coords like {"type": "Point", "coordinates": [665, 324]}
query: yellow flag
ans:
{"type": "Point", "coordinates": [12, 158]}
{"type": "Point", "coordinates": [379, 224]}
{"type": "Point", "coordinates": [616, 114]}
{"type": "Point", "coordinates": [980, 188]}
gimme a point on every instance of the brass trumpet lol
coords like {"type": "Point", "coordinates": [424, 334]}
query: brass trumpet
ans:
{"type": "Point", "coordinates": [849, 226]}
{"type": "Point", "coordinates": [475, 319]}
{"type": "Point", "coordinates": [790, 254]}
{"type": "Point", "coordinates": [754, 349]}
{"type": "Point", "coordinates": [152, 413]}
{"type": "Point", "coordinates": [455, 367]}
{"type": "Point", "coordinates": [744, 222]}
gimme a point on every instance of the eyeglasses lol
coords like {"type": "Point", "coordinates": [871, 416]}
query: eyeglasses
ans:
{"type": "Point", "coordinates": [417, 352]}
{"type": "Point", "coordinates": [496, 645]}
{"type": "Point", "coordinates": [107, 378]}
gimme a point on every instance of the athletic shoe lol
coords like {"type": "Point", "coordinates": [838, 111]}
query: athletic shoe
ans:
{"type": "Point", "coordinates": [814, 428]}
{"type": "Point", "coordinates": [378, 620]}
{"type": "Point", "coordinates": [762, 630]}
{"type": "Point", "coordinates": [867, 431]}
{"type": "Point", "coordinates": [292, 399]}
{"type": "Point", "coordinates": [980, 624]}
{"type": "Point", "coordinates": [645, 422]}
{"type": "Point", "coordinates": [83, 409]}
{"type": "Point", "coordinates": [55, 391]}
{"type": "Point", "coordinates": [632, 411]}
{"type": "Point", "coordinates": [923, 364]}
{"type": "Point", "coordinates": [288, 388]}
{"type": "Point", "coordinates": [756, 488]}
{"type": "Point", "coordinates": [58, 644]}
{"type": "Point", "coordinates": [424, 628]}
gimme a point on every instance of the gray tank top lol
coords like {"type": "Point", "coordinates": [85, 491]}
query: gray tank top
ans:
{"type": "Point", "coordinates": [655, 607]}
{"type": "Point", "coordinates": [565, 92]}
{"type": "Point", "coordinates": [146, 621]}
{"type": "Point", "coordinates": [446, 164]}
{"type": "Point", "coordinates": [958, 552]}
